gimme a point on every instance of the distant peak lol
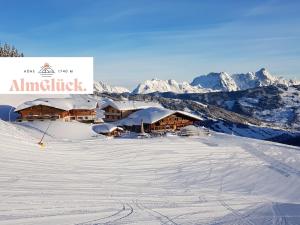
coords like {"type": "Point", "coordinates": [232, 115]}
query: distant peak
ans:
{"type": "Point", "coordinates": [100, 86]}
{"type": "Point", "coordinates": [263, 70]}
{"type": "Point", "coordinates": [170, 85]}
{"type": "Point", "coordinates": [263, 73]}
{"type": "Point", "coordinates": [217, 73]}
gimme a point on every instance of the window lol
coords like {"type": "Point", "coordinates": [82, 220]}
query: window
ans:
{"type": "Point", "coordinates": [79, 117]}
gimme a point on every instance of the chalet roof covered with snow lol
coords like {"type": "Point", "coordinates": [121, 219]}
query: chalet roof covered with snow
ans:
{"type": "Point", "coordinates": [60, 103]}
{"type": "Point", "coordinates": [130, 105]}
{"type": "Point", "coordinates": [105, 128]}
{"type": "Point", "coordinates": [152, 115]}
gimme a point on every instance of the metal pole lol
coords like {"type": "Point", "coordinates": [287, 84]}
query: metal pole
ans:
{"type": "Point", "coordinates": [40, 142]}
{"type": "Point", "coordinates": [9, 113]}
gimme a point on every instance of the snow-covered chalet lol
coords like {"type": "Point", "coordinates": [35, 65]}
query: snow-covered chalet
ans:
{"type": "Point", "coordinates": [117, 110]}
{"type": "Point", "coordinates": [66, 109]}
{"type": "Point", "coordinates": [156, 119]}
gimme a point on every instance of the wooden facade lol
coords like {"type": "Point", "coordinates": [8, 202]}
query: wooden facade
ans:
{"type": "Point", "coordinates": [114, 133]}
{"type": "Point", "coordinates": [112, 114]}
{"type": "Point", "coordinates": [83, 115]}
{"type": "Point", "coordinates": [42, 112]}
{"type": "Point", "coordinates": [170, 123]}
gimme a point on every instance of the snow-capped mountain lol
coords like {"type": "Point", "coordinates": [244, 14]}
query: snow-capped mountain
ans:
{"type": "Point", "coordinates": [156, 85]}
{"type": "Point", "coordinates": [214, 82]}
{"type": "Point", "coordinates": [101, 87]}
{"type": "Point", "coordinates": [225, 82]}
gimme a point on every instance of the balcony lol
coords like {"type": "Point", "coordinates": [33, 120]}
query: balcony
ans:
{"type": "Point", "coordinates": [40, 117]}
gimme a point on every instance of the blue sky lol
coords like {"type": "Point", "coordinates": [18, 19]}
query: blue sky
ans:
{"type": "Point", "coordinates": [134, 40]}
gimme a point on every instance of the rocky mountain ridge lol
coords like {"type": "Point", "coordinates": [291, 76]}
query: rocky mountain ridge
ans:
{"type": "Point", "coordinates": [212, 82]}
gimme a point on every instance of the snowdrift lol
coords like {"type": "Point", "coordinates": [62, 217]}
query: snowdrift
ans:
{"type": "Point", "coordinates": [217, 179]}
{"type": "Point", "coordinates": [58, 130]}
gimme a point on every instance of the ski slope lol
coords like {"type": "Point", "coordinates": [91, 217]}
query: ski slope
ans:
{"type": "Point", "coordinates": [218, 179]}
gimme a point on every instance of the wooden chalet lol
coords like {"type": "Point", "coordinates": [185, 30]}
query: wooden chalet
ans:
{"type": "Point", "coordinates": [108, 129]}
{"type": "Point", "coordinates": [117, 110]}
{"type": "Point", "coordinates": [66, 109]}
{"type": "Point", "coordinates": [158, 120]}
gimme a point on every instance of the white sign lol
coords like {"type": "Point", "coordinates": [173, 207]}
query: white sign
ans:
{"type": "Point", "coordinates": [46, 75]}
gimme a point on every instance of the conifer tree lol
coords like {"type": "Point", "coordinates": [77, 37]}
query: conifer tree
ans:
{"type": "Point", "coordinates": [9, 51]}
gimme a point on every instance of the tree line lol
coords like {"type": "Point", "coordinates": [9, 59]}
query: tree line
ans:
{"type": "Point", "coordinates": [9, 51]}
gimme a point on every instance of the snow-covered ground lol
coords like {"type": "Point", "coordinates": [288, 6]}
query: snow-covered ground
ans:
{"type": "Point", "coordinates": [59, 130]}
{"type": "Point", "coordinates": [218, 179]}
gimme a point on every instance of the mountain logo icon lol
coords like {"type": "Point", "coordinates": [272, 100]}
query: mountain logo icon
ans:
{"type": "Point", "coordinates": [46, 70]}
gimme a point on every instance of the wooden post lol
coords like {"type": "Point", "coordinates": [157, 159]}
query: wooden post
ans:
{"type": "Point", "coordinates": [142, 127]}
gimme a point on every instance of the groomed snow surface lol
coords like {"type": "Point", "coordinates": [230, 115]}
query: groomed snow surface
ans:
{"type": "Point", "coordinates": [88, 180]}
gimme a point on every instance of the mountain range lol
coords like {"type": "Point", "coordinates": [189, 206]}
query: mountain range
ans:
{"type": "Point", "coordinates": [255, 104]}
{"type": "Point", "coordinates": [267, 112]}
{"type": "Point", "coordinates": [212, 82]}
{"type": "Point", "coordinates": [101, 87]}
{"type": "Point", "coordinates": [156, 85]}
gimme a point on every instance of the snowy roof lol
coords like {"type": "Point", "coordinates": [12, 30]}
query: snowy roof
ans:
{"type": "Point", "coordinates": [130, 105]}
{"type": "Point", "coordinates": [60, 103]}
{"type": "Point", "coordinates": [152, 115]}
{"type": "Point", "coordinates": [105, 128]}
{"type": "Point", "coordinates": [100, 114]}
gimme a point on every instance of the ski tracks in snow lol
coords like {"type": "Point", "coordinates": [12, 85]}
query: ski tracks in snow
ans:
{"type": "Point", "coordinates": [274, 164]}
{"type": "Point", "coordinates": [278, 217]}
{"type": "Point", "coordinates": [163, 219]}
{"type": "Point", "coordinates": [236, 213]}
{"type": "Point", "coordinates": [121, 214]}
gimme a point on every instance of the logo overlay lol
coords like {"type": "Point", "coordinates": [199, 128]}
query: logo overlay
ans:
{"type": "Point", "coordinates": [46, 75]}
{"type": "Point", "coordinates": [46, 70]}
